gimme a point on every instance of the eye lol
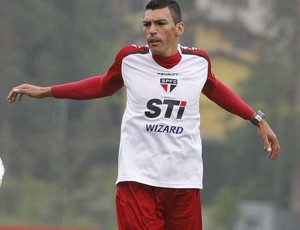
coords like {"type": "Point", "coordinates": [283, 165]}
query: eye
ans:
{"type": "Point", "coordinates": [161, 23]}
{"type": "Point", "coordinates": [146, 24]}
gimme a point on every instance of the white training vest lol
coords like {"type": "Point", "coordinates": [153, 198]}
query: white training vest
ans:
{"type": "Point", "coordinates": [160, 141]}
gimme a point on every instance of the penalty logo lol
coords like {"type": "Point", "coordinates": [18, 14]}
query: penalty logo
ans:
{"type": "Point", "coordinates": [168, 84]}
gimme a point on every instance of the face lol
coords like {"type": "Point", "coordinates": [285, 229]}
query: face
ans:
{"type": "Point", "coordinates": [161, 33]}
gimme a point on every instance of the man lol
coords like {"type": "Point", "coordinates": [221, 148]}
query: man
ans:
{"type": "Point", "coordinates": [160, 156]}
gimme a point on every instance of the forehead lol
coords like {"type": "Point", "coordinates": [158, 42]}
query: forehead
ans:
{"type": "Point", "coordinates": [158, 14]}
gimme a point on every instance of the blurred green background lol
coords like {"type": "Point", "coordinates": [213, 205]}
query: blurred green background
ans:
{"type": "Point", "coordinates": [61, 155]}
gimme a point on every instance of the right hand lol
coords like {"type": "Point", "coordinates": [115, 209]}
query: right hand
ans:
{"type": "Point", "coordinates": [29, 90]}
{"type": "Point", "coordinates": [270, 141]}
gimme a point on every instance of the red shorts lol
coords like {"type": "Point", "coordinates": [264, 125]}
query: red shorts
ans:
{"type": "Point", "coordinates": [144, 207]}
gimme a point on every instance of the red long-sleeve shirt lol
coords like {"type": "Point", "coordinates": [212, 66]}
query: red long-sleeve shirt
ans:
{"type": "Point", "coordinates": [110, 82]}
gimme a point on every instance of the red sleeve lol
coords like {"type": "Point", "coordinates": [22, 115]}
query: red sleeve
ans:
{"type": "Point", "coordinates": [89, 88]}
{"type": "Point", "coordinates": [221, 94]}
{"type": "Point", "coordinates": [94, 87]}
{"type": "Point", "coordinates": [226, 98]}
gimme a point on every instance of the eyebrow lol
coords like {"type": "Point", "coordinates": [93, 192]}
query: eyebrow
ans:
{"type": "Point", "coordinates": [155, 21]}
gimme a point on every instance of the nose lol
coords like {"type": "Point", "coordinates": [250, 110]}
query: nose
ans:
{"type": "Point", "coordinates": [152, 29]}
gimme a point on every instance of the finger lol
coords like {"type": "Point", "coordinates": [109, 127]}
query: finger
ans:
{"type": "Point", "coordinates": [275, 147]}
{"type": "Point", "coordinates": [11, 97]}
{"type": "Point", "coordinates": [275, 151]}
{"type": "Point", "coordinates": [268, 149]}
{"type": "Point", "coordinates": [20, 96]}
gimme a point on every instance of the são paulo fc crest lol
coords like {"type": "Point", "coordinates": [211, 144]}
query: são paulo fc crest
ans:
{"type": "Point", "coordinates": [168, 84]}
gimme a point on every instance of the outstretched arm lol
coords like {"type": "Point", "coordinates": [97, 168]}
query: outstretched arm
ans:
{"type": "Point", "coordinates": [228, 100]}
{"type": "Point", "coordinates": [88, 88]}
{"type": "Point", "coordinates": [30, 90]}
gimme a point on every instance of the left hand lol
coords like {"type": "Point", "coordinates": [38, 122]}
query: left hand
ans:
{"type": "Point", "coordinates": [270, 141]}
{"type": "Point", "coordinates": [30, 90]}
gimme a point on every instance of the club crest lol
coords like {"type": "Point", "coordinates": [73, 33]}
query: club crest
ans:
{"type": "Point", "coordinates": [168, 84]}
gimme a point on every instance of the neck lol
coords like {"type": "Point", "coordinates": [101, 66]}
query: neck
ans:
{"type": "Point", "coordinates": [167, 62]}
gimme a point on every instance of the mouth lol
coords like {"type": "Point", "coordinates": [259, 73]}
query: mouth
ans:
{"type": "Point", "coordinates": [153, 41]}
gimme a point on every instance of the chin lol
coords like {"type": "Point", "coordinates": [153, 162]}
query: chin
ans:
{"type": "Point", "coordinates": [156, 50]}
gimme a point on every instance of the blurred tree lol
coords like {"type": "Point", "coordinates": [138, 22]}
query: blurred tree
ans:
{"type": "Point", "coordinates": [288, 44]}
{"type": "Point", "coordinates": [275, 81]}
{"type": "Point", "coordinates": [48, 42]}
{"type": "Point", "coordinates": [272, 86]}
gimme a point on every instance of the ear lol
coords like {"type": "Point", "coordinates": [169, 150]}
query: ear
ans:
{"type": "Point", "coordinates": [180, 28]}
